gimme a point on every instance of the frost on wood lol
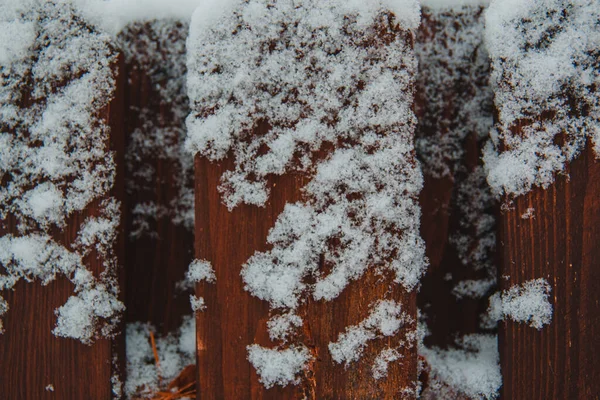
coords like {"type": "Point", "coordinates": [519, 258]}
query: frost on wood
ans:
{"type": "Point", "coordinates": [546, 71]}
{"type": "Point", "coordinates": [56, 78]}
{"type": "Point", "coordinates": [385, 319]}
{"type": "Point", "coordinates": [318, 76]}
{"type": "Point", "coordinates": [175, 351]}
{"type": "Point", "coordinates": [527, 302]}
{"type": "Point", "coordinates": [157, 49]}
{"type": "Point", "coordinates": [472, 369]}
{"type": "Point", "coordinates": [278, 367]}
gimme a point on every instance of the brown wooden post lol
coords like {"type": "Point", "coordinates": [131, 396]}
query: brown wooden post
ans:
{"type": "Point", "coordinates": [160, 251]}
{"type": "Point", "coordinates": [453, 77]}
{"type": "Point", "coordinates": [234, 319]}
{"type": "Point", "coordinates": [35, 364]}
{"type": "Point", "coordinates": [559, 243]}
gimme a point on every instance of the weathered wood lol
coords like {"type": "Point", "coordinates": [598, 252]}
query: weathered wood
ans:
{"type": "Point", "coordinates": [560, 243]}
{"type": "Point", "coordinates": [235, 319]}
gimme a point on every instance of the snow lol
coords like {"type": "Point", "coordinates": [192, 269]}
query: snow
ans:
{"type": "Point", "coordinates": [156, 49]}
{"type": "Point", "coordinates": [278, 367]}
{"type": "Point", "coordinates": [529, 213]}
{"type": "Point", "coordinates": [113, 16]}
{"type": "Point", "coordinates": [49, 388]}
{"type": "Point", "coordinates": [175, 351]}
{"type": "Point", "coordinates": [545, 74]}
{"type": "Point", "coordinates": [386, 318]}
{"type": "Point", "coordinates": [526, 302]}
{"type": "Point", "coordinates": [197, 303]}
{"type": "Point", "coordinates": [382, 361]}
{"type": "Point", "coordinates": [281, 326]}
{"type": "Point", "coordinates": [55, 159]}
{"type": "Point", "coordinates": [472, 368]}
{"type": "Point", "coordinates": [305, 92]}
{"type": "Point", "coordinates": [456, 100]}
{"type": "Point", "coordinates": [446, 5]}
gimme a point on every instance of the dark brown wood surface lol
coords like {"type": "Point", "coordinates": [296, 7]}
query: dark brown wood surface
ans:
{"type": "Point", "coordinates": [157, 259]}
{"type": "Point", "coordinates": [31, 356]}
{"type": "Point", "coordinates": [235, 319]}
{"type": "Point", "coordinates": [562, 244]}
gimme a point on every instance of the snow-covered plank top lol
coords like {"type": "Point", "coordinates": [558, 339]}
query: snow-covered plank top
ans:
{"type": "Point", "coordinates": [546, 73]}
{"type": "Point", "coordinates": [312, 73]}
{"type": "Point", "coordinates": [56, 78]}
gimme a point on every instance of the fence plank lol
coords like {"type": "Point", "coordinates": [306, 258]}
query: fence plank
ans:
{"type": "Point", "coordinates": [32, 357]}
{"type": "Point", "coordinates": [234, 318]}
{"type": "Point", "coordinates": [560, 243]}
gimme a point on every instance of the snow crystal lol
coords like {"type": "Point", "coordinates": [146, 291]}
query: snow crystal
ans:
{"type": "Point", "coordinates": [529, 213]}
{"type": "Point", "coordinates": [175, 351]}
{"type": "Point", "coordinates": [382, 361]}
{"type": "Point", "coordinates": [527, 302]}
{"type": "Point", "coordinates": [385, 319]}
{"type": "Point", "coordinates": [473, 368]}
{"type": "Point", "coordinates": [56, 77]}
{"type": "Point", "coordinates": [281, 326]}
{"type": "Point", "coordinates": [49, 388]}
{"type": "Point", "coordinates": [338, 92]}
{"type": "Point", "coordinates": [197, 303]}
{"type": "Point", "coordinates": [278, 367]}
{"type": "Point", "coordinates": [198, 271]}
{"type": "Point", "coordinates": [545, 76]}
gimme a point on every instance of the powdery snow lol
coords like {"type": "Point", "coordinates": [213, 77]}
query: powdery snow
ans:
{"type": "Point", "coordinates": [545, 77]}
{"type": "Point", "coordinates": [472, 368]}
{"type": "Point", "coordinates": [527, 302]}
{"type": "Point", "coordinates": [278, 367]}
{"type": "Point", "coordinates": [55, 79]}
{"type": "Point", "coordinates": [385, 319]}
{"type": "Point", "coordinates": [175, 351]}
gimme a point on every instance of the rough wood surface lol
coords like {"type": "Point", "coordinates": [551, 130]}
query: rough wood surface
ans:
{"type": "Point", "coordinates": [31, 356]}
{"type": "Point", "coordinates": [234, 319]}
{"type": "Point", "coordinates": [560, 243]}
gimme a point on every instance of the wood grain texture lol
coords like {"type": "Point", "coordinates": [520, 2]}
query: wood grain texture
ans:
{"type": "Point", "coordinates": [234, 319]}
{"type": "Point", "coordinates": [560, 244]}
{"type": "Point", "coordinates": [31, 357]}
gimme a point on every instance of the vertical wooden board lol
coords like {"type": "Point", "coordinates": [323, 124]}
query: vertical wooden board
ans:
{"type": "Point", "coordinates": [454, 73]}
{"type": "Point", "coordinates": [235, 319]}
{"type": "Point", "coordinates": [560, 243]}
{"type": "Point", "coordinates": [158, 259]}
{"type": "Point", "coordinates": [31, 356]}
